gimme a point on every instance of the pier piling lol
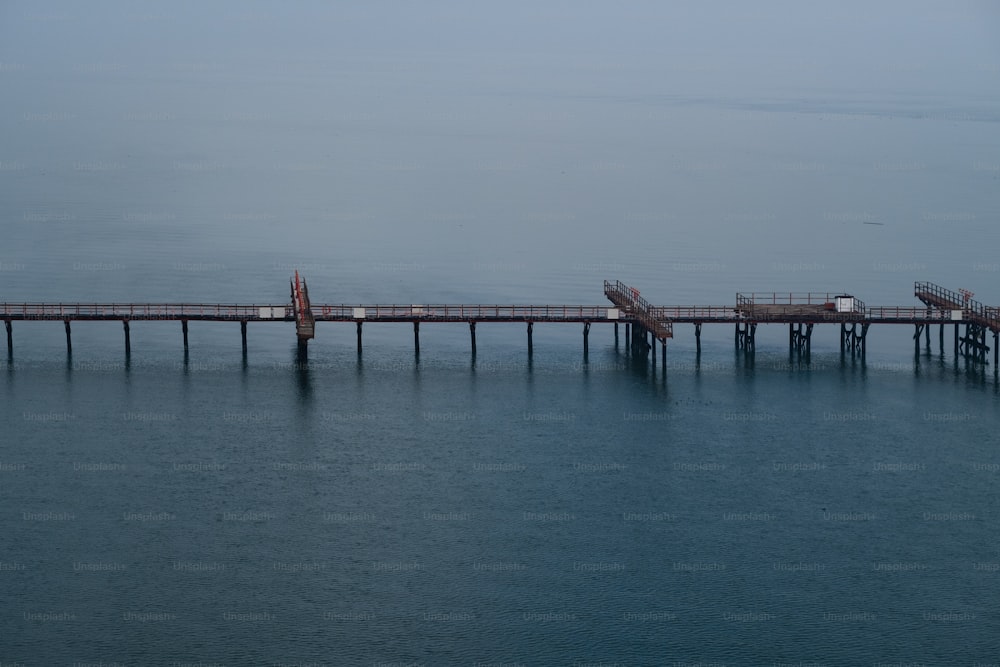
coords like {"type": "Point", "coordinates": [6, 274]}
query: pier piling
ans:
{"type": "Point", "coordinates": [645, 324]}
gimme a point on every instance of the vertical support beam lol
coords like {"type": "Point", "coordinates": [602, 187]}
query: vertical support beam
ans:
{"type": "Point", "coordinates": [916, 339]}
{"type": "Point", "coordinates": [616, 335]}
{"type": "Point", "coordinates": [359, 336]}
{"type": "Point", "coordinates": [665, 358]}
{"type": "Point", "coordinates": [184, 331]}
{"type": "Point", "coordinates": [628, 338]}
{"type": "Point", "coordinates": [996, 351]}
{"type": "Point", "coordinates": [791, 337]}
{"type": "Point", "coordinates": [472, 335]}
{"type": "Point", "coordinates": [416, 337]}
{"type": "Point", "coordinates": [654, 352]}
{"type": "Point", "coordinates": [69, 339]}
{"type": "Point", "coordinates": [809, 336]}
{"type": "Point", "coordinates": [243, 334]}
{"type": "Point", "coordinates": [956, 340]}
{"type": "Point", "coordinates": [586, 337]}
{"type": "Point", "coordinates": [941, 339]}
{"type": "Point", "coordinates": [843, 337]}
{"type": "Point", "coordinates": [10, 337]}
{"type": "Point", "coordinates": [697, 338]}
{"type": "Point", "coordinates": [736, 336]}
{"type": "Point", "coordinates": [927, 336]}
{"type": "Point", "coordinates": [531, 325]}
{"type": "Point", "coordinates": [128, 342]}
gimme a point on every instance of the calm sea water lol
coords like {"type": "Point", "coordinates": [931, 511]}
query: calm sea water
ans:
{"type": "Point", "coordinates": [379, 508]}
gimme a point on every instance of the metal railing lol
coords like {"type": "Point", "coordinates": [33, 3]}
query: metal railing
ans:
{"type": "Point", "coordinates": [972, 310]}
{"type": "Point", "coordinates": [461, 312]}
{"type": "Point", "coordinates": [139, 311]}
{"type": "Point", "coordinates": [627, 297]}
{"type": "Point", "coordinates": [746, 301]}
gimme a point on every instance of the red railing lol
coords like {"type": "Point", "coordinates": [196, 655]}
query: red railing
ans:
{"type": "Point", "coordinates": [973, 310]}
{"type": "Point", "coordinates": [138, 311]}
{"type": "Point", "coordinates": [627, 298]}
{"type": "Point", "coordinates": [461, 312]}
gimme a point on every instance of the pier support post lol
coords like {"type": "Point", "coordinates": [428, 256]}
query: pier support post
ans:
{"type": "Point", "coordinates": [745, 336]}
{"type": "Point", "coordinates": [664, 362]}
{"type": "Point", "coordinates": [531, 326]}
{"type": "Point", "coordinates": [616, 335]}
{"type": "Point", "coordinates": [956, 340]}
{"type": "Point", "coordinates": [941, 339]}
{"type": "Point", "coordinates": [10, 337]}
{"type": "Point", "coordinates": [128, 341]}
{"type": "Point", "coordinates": [184, 332]}
{"type": "Point", "coordinates": [655, 341]}
{"type": "Point", "coordinates": [628, 337]}
{"type": "Point", "coordinates": [416, 337]}
{"type": "Point", "coordinates": [586, 336]}
{"type": "Point", "coordinates": [243, 334]}
{"type": "Point", "coordinates": [472, 334]}
{"type": "Point", "coordinates": [697, 338]}
{"type": "Point", "coordinates": [916, 338]}
{"type": "Point", "coordinates": [996, 351]}
{"type": "Point", "coordinates": [69, 339]}
{"type": "Point", "coordinates": [359, 336]}
{"type": "Point", "coordinates": [639, 341]}
{"type": "Point", "coordinates": [927, 336]}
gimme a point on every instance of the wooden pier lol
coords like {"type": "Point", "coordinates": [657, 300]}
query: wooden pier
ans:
{"type": "Point", "coordinates": [645, 324]}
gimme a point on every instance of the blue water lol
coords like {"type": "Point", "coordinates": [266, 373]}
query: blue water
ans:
{"type": "Point", "coordinates": [343, 509]}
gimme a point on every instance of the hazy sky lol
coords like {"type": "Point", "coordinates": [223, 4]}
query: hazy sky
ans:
{"type": "Point", "coordinates": [501, 135]}
{"type": "Point", "coordinates": [899, 45]}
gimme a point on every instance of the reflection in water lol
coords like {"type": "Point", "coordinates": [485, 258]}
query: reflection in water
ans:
{"type": "Point", "coordinates": [302, 379]}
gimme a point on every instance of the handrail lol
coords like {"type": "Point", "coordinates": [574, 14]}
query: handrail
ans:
{"type": "Point", "coordinates": [639, 307]}
{"type": "Point", "coordinates": [972, 310]}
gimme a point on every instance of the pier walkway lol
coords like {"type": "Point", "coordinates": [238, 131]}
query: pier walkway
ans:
{"type": "Point", "coordinates": [645, 323]}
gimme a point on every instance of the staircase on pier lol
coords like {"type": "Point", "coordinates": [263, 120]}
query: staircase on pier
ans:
{"type": "Point", "coordinates": [645, 316]}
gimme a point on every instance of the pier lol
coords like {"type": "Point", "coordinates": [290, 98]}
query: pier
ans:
{"type": "Point", "coordinates": [646, 325]}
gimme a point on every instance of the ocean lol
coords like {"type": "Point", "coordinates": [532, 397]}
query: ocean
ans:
{"type": "Point", "coordinates": [385, 508]}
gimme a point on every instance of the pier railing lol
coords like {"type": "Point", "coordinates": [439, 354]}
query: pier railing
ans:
{"type": "Point", "coordinates": [972, 310]}
{"type": "Point", "coordinates": [144, 311]}
{"type": "Point", "coordinates": [793, 299]}
{"type": "Point", "coordinates": [460, 312]}
{"type": "Point", "coordinates": [628, 299]}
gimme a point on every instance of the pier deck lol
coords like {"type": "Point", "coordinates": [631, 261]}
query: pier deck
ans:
{"type": "Point", "coordinates": [801, 311]}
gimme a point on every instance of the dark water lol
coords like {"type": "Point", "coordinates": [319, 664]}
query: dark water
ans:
{"type": "Point", "coordinates": [384, 509]}
{"type": "Point", "coordinates": [352, 511]}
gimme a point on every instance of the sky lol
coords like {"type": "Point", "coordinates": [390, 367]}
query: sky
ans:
{"type": "Point", "coordinates": [724, 135]}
